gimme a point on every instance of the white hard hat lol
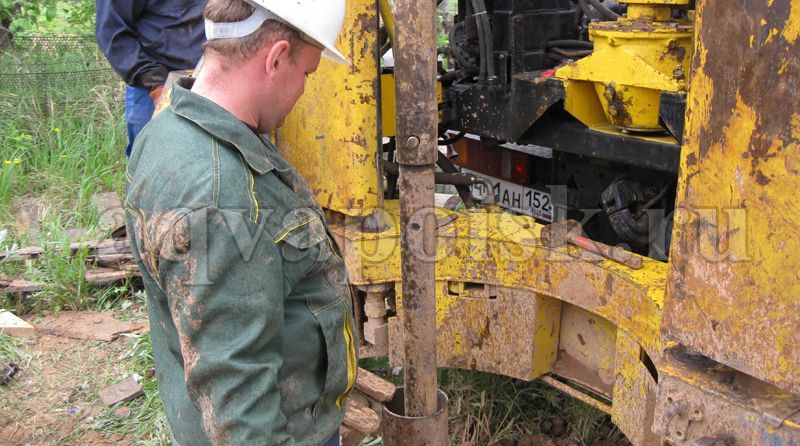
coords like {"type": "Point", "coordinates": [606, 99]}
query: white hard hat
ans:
{"type": "Point", "coordinates": [321, 20]}
{"type": "Point", "coordinates": [318, 20]}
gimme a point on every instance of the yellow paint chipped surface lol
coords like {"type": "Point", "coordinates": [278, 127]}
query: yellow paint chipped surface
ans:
{"type": "Point", "coordinates": [791, 29]}
{"type": "Point", "coordinates": [634, 393]}
{"type": "Point", "coordinates": [734, 262]}
{"type": "Point", "coordinates": [772, 33]}
{"type": "Point", "coordinates": [503, 250]}
{"type": "Point", "coordinates": [334, 126]}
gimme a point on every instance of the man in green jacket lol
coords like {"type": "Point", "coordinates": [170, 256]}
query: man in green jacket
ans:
{"type": "Point", "coordinates": [250, 309]}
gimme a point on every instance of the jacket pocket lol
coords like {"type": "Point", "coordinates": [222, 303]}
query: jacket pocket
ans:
{"type": "Point", "coordinates": [304, 246]}
{"type": "Point", "coordinates": [336, 324]}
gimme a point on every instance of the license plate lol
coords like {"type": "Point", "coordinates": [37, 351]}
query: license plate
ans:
{"type": "Point", "coordinates": [525, 200]}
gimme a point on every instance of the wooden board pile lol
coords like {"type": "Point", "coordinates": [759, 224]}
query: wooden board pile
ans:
{"type": "Point", "coordinates": [108, 261]}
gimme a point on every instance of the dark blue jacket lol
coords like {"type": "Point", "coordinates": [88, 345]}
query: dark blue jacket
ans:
{"type": "Point", "coordinates": [145, 39]}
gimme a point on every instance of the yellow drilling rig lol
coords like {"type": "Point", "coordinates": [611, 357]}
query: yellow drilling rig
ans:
{"type": "Point", "coordinates": [618, 218]}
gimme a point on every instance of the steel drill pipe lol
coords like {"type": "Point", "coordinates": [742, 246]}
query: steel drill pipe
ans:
{"type": "Point", "coordinates": [417, 134]}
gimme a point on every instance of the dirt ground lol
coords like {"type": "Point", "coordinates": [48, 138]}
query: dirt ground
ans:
{"type": "Point", "coordinates": [55, 400]}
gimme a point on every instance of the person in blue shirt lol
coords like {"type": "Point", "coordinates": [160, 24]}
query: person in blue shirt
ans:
{"type": "Point", "coordinates": [143, 41]}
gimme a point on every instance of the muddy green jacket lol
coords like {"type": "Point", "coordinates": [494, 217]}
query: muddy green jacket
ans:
{"type": "Point", "coordinates": [250, 310]}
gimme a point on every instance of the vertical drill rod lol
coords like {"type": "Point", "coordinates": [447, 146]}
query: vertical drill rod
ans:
{"type": "Point", "coordinates": [417, 119]}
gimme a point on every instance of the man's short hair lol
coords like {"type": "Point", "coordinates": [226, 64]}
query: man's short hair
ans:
{"type": "Point", "coordinates": [243, 48]}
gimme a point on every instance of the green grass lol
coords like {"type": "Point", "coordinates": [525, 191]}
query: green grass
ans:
{"type": "Point", "coordinates": [486, 407]}
{"type": "Point", "coordinates": [61, 141]}
{"type": "Point", "coordinates": [146, 424]}
{"type": "Point", "coordinates": [14, 350]}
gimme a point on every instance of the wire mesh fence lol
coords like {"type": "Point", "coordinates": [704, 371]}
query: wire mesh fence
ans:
{"type": "Point", "coordinates": [53, 42]}
{"type": "Point", "coordinates": [45, 64]}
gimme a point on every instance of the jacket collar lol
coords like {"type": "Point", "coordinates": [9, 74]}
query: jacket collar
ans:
{"type": "Point", "coordinates": [258, 151]}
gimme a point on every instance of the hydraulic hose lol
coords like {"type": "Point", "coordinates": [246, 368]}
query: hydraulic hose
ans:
{"type": "Point", "coordinates": [486, 41]}
{"type": "Point", "coordinates": [653, 201]}
{"type": "Point", "coordinates": [461, 181]}
{"type": "Point", "coordinates": [587, 10]}
{"type": "Point", "coordinates": [603, 9]}
{"type": "Point", "coordinates": [570, 43]}
{"type": "Point", "coordinates": [571, 53]}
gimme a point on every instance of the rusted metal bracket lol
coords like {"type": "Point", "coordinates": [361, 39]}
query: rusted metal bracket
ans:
{"type": "Point", "coordinates": [678, 416]}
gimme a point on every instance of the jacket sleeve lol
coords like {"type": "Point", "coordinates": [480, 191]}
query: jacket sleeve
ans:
{"type": "Point", "coordinates": [224, 279]}
{"type": "Point", "coordinates": [115, 32]}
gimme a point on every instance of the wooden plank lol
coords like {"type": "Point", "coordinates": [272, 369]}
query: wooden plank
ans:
{"type": "Point", "coordinates": [106, 246]}
{"type": "Point", "coordinates": [100, 276]}
{"type": "Point", "coordinates": [361, 418]}
{"type": "Point", "coordinates": [97, 250]}
{"type": "Point", "coordinates": [12, 325]}
{"type": "Point", "coordinates": [121, 392]}
{"type": "Point", "coordinates": [10, 286]}
{"type": "Point", "coordinates": [374, 386]}
{"type": "Point", "coordinates": [113, 259]}
{"type": "Point", "coordinates": [22, 254]}
{"type": "Point", "coordinates": [110, 210]}
{"type": "Point", "coordinates": [105, 276]}
{"type": "Point", "coordinates": [92, 325]}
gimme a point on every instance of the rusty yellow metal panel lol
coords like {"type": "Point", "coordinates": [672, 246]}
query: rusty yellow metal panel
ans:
{"type": "Point", "coordinates": [700, 399]}
{"type": "Point", "coordinates": [501, 300]}
{"type": "Point", "coordinates": [331, 136]}
{"type": "Point", "coordinates": [734, 283]}
{"type": "Point", "coordinates": [505, 250]}
{"type": "Point", "coordinates": [586, 349]}
{"type": "Point", "coordinates": [488, 328]}
{"type": "Point", "coordinates": [634, 402]}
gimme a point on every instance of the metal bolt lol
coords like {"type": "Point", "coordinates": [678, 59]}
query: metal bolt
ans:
{"type": "Point", "coordinates": [413, 142]}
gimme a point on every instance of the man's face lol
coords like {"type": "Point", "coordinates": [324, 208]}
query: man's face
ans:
{"type": "Point", "coordinates": [293, 78]}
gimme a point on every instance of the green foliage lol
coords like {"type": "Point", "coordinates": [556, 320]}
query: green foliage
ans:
{"type": "Point", "coordinates": [64, 16]}
{"type": "Point", "coordinates": [80, 13]}
{"type": "Point", "coordinates": [25, 14]}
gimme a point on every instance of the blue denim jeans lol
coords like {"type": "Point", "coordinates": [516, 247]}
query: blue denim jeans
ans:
{"type": "Point", "coordinates": [334, 440]}
{"type": "Point", "coordinates": [138, 111]}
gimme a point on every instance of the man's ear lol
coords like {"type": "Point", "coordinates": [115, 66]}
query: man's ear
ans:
{"type": "Point", "coordinates": [276, 57]}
